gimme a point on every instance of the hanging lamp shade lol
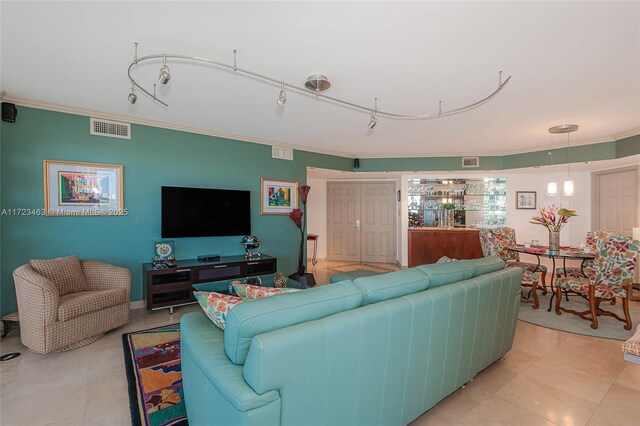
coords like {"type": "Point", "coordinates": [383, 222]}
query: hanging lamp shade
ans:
{"type": "Point", "coordinates": [568, 188]}
{"type": "Point", "coordinates": [552, 189]}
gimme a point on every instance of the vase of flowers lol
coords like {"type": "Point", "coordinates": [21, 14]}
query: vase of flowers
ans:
{"type": "Point", "coordinates": [554, 218]}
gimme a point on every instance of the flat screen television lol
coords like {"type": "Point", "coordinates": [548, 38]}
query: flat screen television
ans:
{"type": "Point", "coordinates": [204, 212]}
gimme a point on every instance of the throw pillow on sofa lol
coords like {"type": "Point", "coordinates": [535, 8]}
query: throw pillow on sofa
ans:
{"type": "Point", "coordinates": [248, 291]}
{"type": "Point", "coordinates": [445, 259]}
{"type": "Point", "coordinates": [64, 272]}
{"type": "Point", "coordinates": [216, 306]}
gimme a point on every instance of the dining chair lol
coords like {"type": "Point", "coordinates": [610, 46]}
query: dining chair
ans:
{"type": "Point", "coordinates": [494, 242]}
{"type": "Point", "coordinates": [577, 271]}
{"type": "Point", "coordinates": [505, 237]}
{"type": "Point", "coordinates": [609, 278]}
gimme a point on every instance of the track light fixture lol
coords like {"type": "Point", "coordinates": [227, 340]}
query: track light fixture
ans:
{"type": "Point", "coordinates": [132, 96]}
{"type": "Point", "coordinates": [165, 75]}
{"type": "Point", "coordinates": [314, 86]}
{"type": "Point", "coordinates": [282, 97]}
{"type": "Point", "coordinates": [373, 121]}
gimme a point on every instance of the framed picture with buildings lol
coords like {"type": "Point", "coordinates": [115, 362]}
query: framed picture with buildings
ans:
{"type": "Point", "coordinates": [278, 196]}
{"type": "Point", "coordinates": [526, 200]}
{"type": "Point", "coordinates": [83, 189]}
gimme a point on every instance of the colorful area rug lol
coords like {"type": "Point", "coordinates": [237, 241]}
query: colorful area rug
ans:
{"type": "Point", "coordinates": [154, 373]}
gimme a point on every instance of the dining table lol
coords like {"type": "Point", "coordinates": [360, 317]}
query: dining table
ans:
{"type": "Point", "coordinates": [564, 252]}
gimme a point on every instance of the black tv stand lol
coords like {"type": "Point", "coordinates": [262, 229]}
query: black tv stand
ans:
{"type": "Point", "coordinates": [168, 288]}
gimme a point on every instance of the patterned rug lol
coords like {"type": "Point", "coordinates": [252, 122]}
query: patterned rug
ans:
{"type": "Point", "coordinates": [608, 327]}
{"type": "Point", "coordinates": [152, 364]}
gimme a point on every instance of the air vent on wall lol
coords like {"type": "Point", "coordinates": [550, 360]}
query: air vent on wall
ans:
{"type": "Point", "coordinates": [112, 129]}
{"type": "Point", "coordinates": [282, 153]}
{"type": "Point", "coordinates": [470, 161]}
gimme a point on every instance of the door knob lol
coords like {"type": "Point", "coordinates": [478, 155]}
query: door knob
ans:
{"type": "Point", "coordinates": [357, 225]}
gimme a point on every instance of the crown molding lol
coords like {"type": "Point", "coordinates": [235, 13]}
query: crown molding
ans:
{"type": "Point", "coordinates": [145, 122]}
{"type": "Point", "coordinates": [152, 123]}
{"type": "Point", "coordinates": [627, 134]}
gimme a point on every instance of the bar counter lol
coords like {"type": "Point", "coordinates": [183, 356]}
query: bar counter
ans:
{"type": "Point", "coordinates": [427, 245]}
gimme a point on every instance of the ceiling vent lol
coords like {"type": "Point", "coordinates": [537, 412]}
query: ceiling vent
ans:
{"type": "Point", "coordinates": [282, 153]}
{"type": "Point", "coordinates": [112, 129]}
{"type": "Point", "coordinates": [470, 161]}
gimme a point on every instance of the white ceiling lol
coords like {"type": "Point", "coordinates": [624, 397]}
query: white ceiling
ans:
{"type": "Point", "coordinates": [571, 62]}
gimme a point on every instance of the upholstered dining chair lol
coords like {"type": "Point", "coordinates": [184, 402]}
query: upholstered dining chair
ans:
{"type": "Point", "coordinates": [493, 246]}
{"type": "Point", "coordinates": [505, 237]}
{"type": "Point", "coordinates": [67, 303]}
{"type": "Point", "coordinates": [609, 278]}
{"type": "Point", "coordinates": [577, 272]}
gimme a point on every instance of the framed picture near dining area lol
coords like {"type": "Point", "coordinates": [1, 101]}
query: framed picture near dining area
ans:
{"type": "Point", "coordinates": [526, 200]}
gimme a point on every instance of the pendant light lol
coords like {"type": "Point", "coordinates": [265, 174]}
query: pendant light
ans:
{"type": "Point", "coordinates": [552, 187]}
{"type": "Point", "coordinates": [568, 186]}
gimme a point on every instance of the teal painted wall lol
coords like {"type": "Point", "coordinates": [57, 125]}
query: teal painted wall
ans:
{"type": "Point", "coordinates": [592, 152]}
{"type": "Point", "coordinates": [156, 157]}
{"type": "Point", "coordinates": [628, 146]}
{"type": "Point", "coordinates": [152, 158]}
{"type": "Point", "coordinates": [422, 164]}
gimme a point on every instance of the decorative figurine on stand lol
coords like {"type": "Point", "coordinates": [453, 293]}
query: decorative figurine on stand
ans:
{"type": "Point", "coordinates": [164, 257]}
{"type": "Point", "coordinates": [252, 246]}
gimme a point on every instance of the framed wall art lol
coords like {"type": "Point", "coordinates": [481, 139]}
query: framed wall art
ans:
{"type": "Point", "coordinates": [278, 196]}
{"type": "Point", "coordinates": [526, 200]}
{"type": "Point", "coordinates": [82, 189]}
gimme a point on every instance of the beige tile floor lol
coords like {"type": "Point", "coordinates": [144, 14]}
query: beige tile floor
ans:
{"type": "Point", "coordinates": [549, 377]}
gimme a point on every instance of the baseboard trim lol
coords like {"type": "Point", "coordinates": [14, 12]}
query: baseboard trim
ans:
{"type": "Point", "coordinates": [138, 304]}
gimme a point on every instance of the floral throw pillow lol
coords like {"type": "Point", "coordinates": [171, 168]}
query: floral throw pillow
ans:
{"type": "Point", "coordinates": [445, 259]}
{"type": "Point", "coordinates": [248, 291]}
{"type": "Point", "coordinates": [216, 305]}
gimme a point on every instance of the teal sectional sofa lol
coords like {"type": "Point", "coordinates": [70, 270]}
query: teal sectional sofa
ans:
{"type": "Point", "coordinates": [379, 350]}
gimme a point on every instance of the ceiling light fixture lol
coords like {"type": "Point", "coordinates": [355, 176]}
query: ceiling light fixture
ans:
{"type": "Point", "coordinates": [552, 187]}
{"type": "Point", "coordinates": [132, 96]}
{"type": "Point", "coordinates": [314, 85]}
{"type": "Point", "coordinates": [568, 186]}
{"type": "Point", "coordinates": [373, 121]}
{"type": "Point", "coordinates": [165, 75]}
{"type": "Point", "coordinates": [282, 97]}
{"type": "Point", "coordinates": [317, 83]}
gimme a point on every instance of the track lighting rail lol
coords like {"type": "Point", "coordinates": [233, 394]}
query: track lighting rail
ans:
{"type": "Point", "coordinates": [374, 112]}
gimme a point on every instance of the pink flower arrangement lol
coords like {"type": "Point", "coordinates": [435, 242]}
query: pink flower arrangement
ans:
{"type": "Point", "coordinates": [553, 218]}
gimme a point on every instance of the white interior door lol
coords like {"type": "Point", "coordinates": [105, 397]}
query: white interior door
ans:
{"type": "Point", "coordinates": [378, 222]}
{"type": "Point", "coordinates": [343, 221]}
{"type": "Point", "coordinates": [616, 201]}
{"type": "Point", "coordinates": [361, 221]}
